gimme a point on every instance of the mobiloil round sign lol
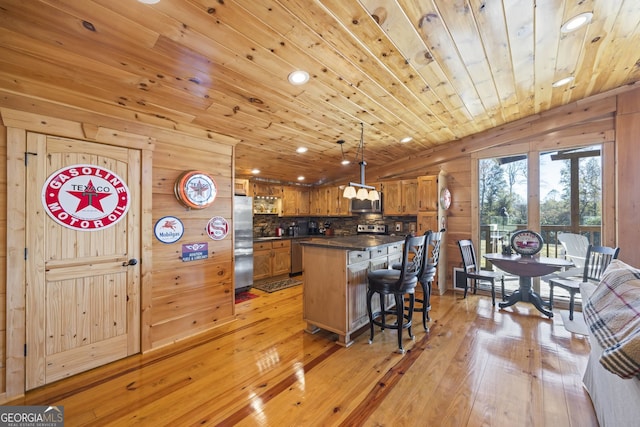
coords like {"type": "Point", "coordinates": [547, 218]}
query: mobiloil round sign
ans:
{"type": "Point", "coordinates": [85, 197]}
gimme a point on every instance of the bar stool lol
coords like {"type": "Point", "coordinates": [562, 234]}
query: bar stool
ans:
{"type": "Point", "coordinates": [397, 283]}
{"type": "Point", "coordinates": [427, 275]}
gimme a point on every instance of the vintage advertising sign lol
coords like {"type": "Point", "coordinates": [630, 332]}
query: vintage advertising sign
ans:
{"type": "Point", "coordinates": [195, 189]}
{"type": "Point", "coordinates": [195, 251]}
{"type": "Point", "coordinates": [168, 229]}
{"type": "Point", "coordinates": [217, 228]}
{"type": "Point", "coordinates": [85, 197]}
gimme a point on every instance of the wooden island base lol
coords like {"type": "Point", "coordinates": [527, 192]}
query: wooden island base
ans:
{"type": "Point", "coordinates": [335, 281]}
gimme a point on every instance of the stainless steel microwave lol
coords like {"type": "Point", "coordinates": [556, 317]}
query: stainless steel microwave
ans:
{"type": "Point", "coordinates": [366, 206]}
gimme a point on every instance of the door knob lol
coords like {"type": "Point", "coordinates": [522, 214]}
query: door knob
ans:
{"type": "Point", "coordinates": [132, 261]}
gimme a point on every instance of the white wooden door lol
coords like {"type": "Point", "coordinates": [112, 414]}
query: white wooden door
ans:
{"type": "Point", "coordinates": [82, 299]}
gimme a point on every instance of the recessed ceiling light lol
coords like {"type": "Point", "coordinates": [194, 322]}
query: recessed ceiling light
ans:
{"type": "Point", "coordinates": [149, 1]}
{"type": "Point", "coordinates": [301, 178]}
{"type": "Point", "coordinates": [255, 171]}
{"type": "Point", "coordinates": [576, 22]}
{"type": "Point", "coordinates": [563, 81]}
{"type": "Point", "coordinates": [301, 149]}
{"type": "Point", "coordinates": [406, 139]}
{"type": "Point", "coordinates": [345, 162]}
{"type": "Point", "coordinates": [298, 77]}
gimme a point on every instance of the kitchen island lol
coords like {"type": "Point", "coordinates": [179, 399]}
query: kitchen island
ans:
{"type": "Point", "coordinates": [335, 280]}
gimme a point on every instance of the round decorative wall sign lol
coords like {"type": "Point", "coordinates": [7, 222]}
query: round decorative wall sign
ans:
{"type": "Point", "coordinates": [85, 197]}
{"type": "Point", "coordinates": [445, 198]}
{"type": "Point", "coordinates": [217, 228]}
{"type": "Point", "coordinates": [195, 189]}
{"type": "Point", "coordinates": [169, 229]}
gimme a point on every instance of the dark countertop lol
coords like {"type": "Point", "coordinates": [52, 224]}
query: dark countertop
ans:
{"type": "Point", "coordinates": [306, 236]}
{"type": "Point", "coordinates": [355, 243]}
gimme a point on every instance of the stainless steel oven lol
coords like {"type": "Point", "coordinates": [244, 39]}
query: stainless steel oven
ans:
{"type": "Point", "coordinates": [372, 229]}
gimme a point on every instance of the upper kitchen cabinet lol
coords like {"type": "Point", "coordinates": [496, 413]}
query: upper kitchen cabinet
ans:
{"type": "Point", "coordinates": [338, 205]}
{"type": "Point", "coordinates": [266, 189]}
{"type": "Point", "coordinates": [328, 201]}
{"type": "Point", "coordinates": [400, 197]}
{"type": "Point", "coordinates": [428, 193]}
{"type": "Point", "coordinates": [295, 201]}
{"type": "Point", "coordinates": [241, 187]}
{"type": "Point", "coordinates": [318, 202]}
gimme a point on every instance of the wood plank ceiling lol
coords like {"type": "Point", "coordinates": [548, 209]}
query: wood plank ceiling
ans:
{"type": "Point", "coordinates": [434, 70]}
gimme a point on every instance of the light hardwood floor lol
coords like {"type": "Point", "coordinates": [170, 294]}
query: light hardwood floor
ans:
{"type": "Point", "coordinates": [478, 366]}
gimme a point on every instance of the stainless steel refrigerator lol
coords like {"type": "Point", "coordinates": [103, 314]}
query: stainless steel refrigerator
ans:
{"type": "Point", "coordinates": [243, 242]}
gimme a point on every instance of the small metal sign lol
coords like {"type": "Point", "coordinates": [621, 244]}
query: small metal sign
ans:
{"type": "Point", "coordinates": [168, 229]}
{"type": "Point", "coordinates": [195, 251]}
{"type": "Point", "coordinates": [217, 228]}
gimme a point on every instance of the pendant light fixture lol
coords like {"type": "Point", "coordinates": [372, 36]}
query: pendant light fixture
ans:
{"type": "Point", "coordinates": [344, 161]}
{"type": "Point", "coordinates": [364, 191]}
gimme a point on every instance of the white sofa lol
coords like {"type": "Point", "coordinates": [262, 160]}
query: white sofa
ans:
{"type": "Point", "coordinates": [616, 399]}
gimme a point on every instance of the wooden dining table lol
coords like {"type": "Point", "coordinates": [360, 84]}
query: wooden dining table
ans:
{"type": "Point", "coordinates": [526, 268]}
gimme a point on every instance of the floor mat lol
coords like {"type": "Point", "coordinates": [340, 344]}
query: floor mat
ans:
{"type": "Point", "coordinates": [577, 325]}
{"type": "Point", "coordinates": [244, 296]}
{"type": "Point", "coordinates": [272, 286]}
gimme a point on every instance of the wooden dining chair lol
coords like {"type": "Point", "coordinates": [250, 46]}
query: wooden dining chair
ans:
{"type": "Point", "coordinates": [596, 262]}
{"type": "Point", "coordinates": [473, 271]}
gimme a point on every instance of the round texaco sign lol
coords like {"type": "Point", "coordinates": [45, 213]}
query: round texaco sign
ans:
{"type": "Point", "coordinates": [85, 197]}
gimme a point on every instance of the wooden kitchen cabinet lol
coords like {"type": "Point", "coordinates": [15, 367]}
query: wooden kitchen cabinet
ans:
{"type": "Point", "coordinates": [241, 187]}
{"type": "Point", "coordinates": [281, 258]}
{"type": "Point", "coordinates": [409, 196]}
{"type": "Point", "coordinates": [392, 193]}
{"type": "Point", "coordinates": [318, 202]}
{"type": "Point", "coordinates": [295, 201]}
{"type": "Point", "coordinates": [328, 201]}
{"type": "Point", "coordinates": [427, 220]}
{"type": "Point", "coordinates": [304, 202]}
{"type": "Point", "coordinates": [338, 205]}
{"type": "Point", "coordinates": [428, 193]}
{"type": "Point", "coordinates": [336, 287]}
{"type": "Point", "coordinates": [261, 261]}
{"type": "Point", "coordinates": [266, 189]}
{"type": "Point", "coordinates": [400, 197]}
{"type": "Point", "coordinates": [271, 258]}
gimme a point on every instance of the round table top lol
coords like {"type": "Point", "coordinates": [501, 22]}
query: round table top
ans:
{"type": "Point", "coordinates": [529, 266]}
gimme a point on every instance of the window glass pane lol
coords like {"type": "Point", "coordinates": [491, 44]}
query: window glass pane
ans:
{"type": "Point", "coordinates": [503, 200]}
{"type": "Point", "coordinates": [570, 202]}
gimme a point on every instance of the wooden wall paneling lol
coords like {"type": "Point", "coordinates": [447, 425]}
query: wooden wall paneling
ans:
{"type": "Point", "coordinates": [216, 284]}
{"type": "Point", "coordinates": [72, 129]}
{"type": "Point", "coordinates": [609, 207]}
{"type": "Point", "coordinates": [3, 258]}
{"type": "Point", "coordinates": [168, 280]}
{"type": "Point", "coordinates": [146, 250]}
{"type": "Point", "coordinates": [170, 254]}
{"type": "Point", "coordinates": [512, 133]}
{"type": "Point", "coordinates": [628, 176]}
{"type": "Point", "coordinates": [117, 118]}
{"type": "Point", "coordinates": [188, 297]}
{"type": "Point", "coordinates": [169, 332]}
{"type": "Point", "coordinates": [214, 156]}
{"type": "Point", "coordinates": [15, 274]}
{"type": "Point", "coordinates": [196, 299]}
